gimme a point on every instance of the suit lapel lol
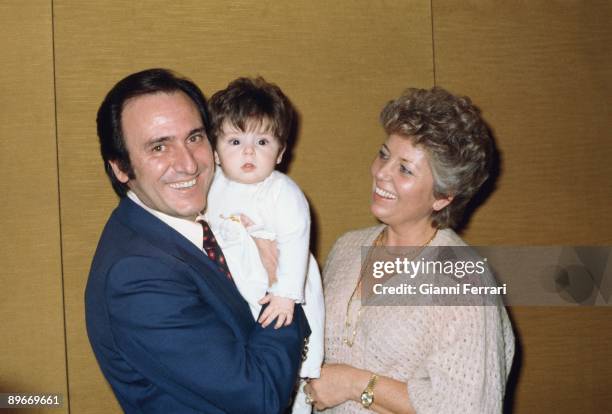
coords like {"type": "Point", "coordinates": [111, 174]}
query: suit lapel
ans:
{"type": "Point", "coordinates": [171, 242]}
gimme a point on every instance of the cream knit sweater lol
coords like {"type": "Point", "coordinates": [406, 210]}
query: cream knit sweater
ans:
{"type": "Point", "coordinates": [454, 359]}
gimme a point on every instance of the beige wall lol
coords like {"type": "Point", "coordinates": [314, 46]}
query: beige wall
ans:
{"type": "Point", "coordinates": [539, 71]}
{"type": "Point", "coordinates": [542, 76]}
{"type": "Point", "coordinates": [32, 348]}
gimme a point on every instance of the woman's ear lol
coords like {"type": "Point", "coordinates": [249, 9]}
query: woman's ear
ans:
{"type": "Point", "coordinates": [442, 202]}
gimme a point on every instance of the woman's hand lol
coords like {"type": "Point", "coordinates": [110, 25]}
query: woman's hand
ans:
{"type": "Point", "coordinates": [341, 382]}
{"type": "Point", "coordinates": [338, 383]}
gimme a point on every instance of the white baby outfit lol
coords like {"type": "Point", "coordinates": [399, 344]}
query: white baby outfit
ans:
{"type": "Point", "coordinates": [280, 212]}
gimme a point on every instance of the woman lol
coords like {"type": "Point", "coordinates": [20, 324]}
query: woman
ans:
{"type": "Point", "coordinates": [423, 359]}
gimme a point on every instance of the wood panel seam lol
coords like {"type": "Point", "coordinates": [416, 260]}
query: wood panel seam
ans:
{"type": "Point", "coordinates": [59, 203]}
{"type": "Point", "coordinates": [433, 42]}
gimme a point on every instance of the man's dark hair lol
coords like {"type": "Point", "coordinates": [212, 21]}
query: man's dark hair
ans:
{"type": "Point", "coordinates": [110, 133]}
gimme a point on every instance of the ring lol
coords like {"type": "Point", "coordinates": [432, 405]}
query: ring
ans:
{"type": "Point", "coordinates": [308, 399]}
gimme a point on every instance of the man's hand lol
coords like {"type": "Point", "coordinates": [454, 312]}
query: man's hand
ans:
{"type": "Point", "coordinates": [268, 251]}
{"type": "Point", "coordinates": [279, 308]}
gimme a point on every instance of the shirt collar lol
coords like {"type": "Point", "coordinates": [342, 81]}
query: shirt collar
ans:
{"type": "Point", "coordinates": [191, 230]}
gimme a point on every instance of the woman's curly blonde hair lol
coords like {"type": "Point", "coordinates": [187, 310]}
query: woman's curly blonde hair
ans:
{"type": "Point", "coordinates": [454, 135]}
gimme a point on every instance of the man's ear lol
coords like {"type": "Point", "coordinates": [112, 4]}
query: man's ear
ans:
{"type": "Point", "coordinates": [442, 202]}
{"type": "Point", "coordinates": [121, 176]}
{"type": "Point", "coordinates": [280, 155]}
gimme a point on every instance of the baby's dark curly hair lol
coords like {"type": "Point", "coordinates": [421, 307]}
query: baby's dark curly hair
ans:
{"type": "Point", "coordinates": [252, 103]}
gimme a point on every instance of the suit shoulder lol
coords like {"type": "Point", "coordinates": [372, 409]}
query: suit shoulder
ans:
{"type": "Point", "coordinates": [120, 244]}
{"type": "Point", "coordinates": [117, 240]}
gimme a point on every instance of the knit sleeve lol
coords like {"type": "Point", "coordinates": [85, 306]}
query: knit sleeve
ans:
{"type": "Point", "coordinates": [291, 224]}
{"type": "Point", "coordinates": [466, 369]}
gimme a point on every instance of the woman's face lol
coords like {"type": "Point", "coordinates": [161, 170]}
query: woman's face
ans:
{"type": "Point", "coordinates": [402, 184]}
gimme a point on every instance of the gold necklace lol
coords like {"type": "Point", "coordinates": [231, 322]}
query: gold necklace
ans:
{"type": "Point", "coordinates": [349, 337]}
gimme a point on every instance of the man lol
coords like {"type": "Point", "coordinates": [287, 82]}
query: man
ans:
{"type": "Point", "coordinates": [166, 322]}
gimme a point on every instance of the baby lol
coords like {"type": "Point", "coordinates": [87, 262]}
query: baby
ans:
{"type": "Point", "coordinates": [251, 121]}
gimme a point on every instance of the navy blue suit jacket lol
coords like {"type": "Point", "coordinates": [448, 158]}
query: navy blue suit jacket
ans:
{"type": "Point", "coordinates": [173, 335]}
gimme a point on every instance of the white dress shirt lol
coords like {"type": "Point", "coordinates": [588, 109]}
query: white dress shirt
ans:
{"type": "Point", "coordinates": [191, 230]}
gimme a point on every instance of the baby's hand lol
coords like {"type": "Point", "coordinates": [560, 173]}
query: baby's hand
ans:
{"type": "Point", "coordinates": [279, 308]}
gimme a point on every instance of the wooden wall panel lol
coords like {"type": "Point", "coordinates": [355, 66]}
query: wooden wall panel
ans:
{"type": "Point", "coordinates": [564, 359]}
{"type": "Point", "coordinates": [338, 61]}
{"type": "Point", "coordinates": [541, 71]}
{"type": "Point", "coordinates": [32, 349]}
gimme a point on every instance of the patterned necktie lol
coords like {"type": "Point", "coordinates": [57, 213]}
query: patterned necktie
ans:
{"type": "Point", "coordinates": [213, 250]}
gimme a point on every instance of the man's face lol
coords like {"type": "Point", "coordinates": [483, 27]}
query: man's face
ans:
{"type": "Point", "coordinates": [170, 155]}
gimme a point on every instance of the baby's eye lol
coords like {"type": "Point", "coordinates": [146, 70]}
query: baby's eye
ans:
{"type": "Point", "coordinates": [263, 141]}
{"type": "Point", "coordinates": [382, 154]}
{"type": "Point", "coordinates": [234, 141]}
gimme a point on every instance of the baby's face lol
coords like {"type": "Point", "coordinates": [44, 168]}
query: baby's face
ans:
{"type": "Point", "coordinates": [247, 157]}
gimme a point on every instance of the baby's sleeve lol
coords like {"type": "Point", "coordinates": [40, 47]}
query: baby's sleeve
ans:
{"type": "Point", "coordinates": [290, 220]}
